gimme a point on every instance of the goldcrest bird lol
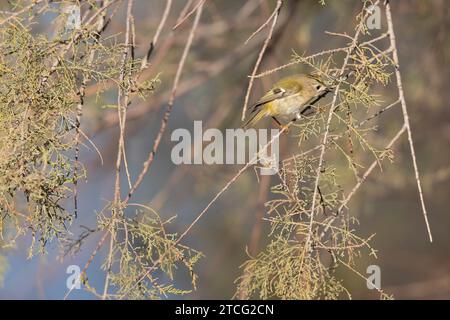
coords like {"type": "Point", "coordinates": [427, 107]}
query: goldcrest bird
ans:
{"type": "Point", "coordinates": [290, 99]}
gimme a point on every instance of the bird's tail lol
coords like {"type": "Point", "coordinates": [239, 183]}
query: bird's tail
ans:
{"type": "Point", "coordinates": [254, 119]}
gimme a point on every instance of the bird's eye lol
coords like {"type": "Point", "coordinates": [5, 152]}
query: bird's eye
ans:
{"type": "Point", "coordinates": [318, 87]}
{"type": "Point", "coordinates": [277, 90]}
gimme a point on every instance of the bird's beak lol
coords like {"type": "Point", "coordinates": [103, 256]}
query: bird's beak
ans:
{"type": "Point", "coordinates": [326, 90]}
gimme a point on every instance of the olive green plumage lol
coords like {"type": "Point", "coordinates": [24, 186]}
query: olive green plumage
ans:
{"type": "Point", "coordinates": [289, 98]}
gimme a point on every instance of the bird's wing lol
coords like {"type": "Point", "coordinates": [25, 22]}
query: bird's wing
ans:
{"type": "Point", "coordinates": [282, 89]}
{"type": "Point", "coordinates": [274, 94]}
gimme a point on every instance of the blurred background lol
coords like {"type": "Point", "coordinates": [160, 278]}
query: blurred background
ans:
{"type": "Point", "coordinates": [212, 89]}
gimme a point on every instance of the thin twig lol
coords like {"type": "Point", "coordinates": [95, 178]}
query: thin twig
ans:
{"type": "Point", "coordinates": [274, 18]}
{"type": "Point", "coordinates": [230, 182]}
{"type": "Point", "coordinates": [405, 113]}
{"type": "Point", "coordinates": [315, 55]}
{"type": "Point", "coordinates": [157, 34]}
{"type": "Point", "coordinates": [325, 136]}
{"type": "Point", "coordinates": [200, 3]}
{"type": "Point", "coordinates": [212, 201]}
{"type": "Point", "coordinates": [81, 93]}
{"type": "Point", "coordinates": [24, 9]}
{"type": "Point", "coordinates": [121, 111]}
{"type": "Point", "coordinates": [376, 114]}
{"type": "Point", "coordinates": [168, 112]}
{"type": "Point", "coordinates": [261, 27]}
{"type": "Point", "coordinates": [362, 180]}
{"type": "Point", "coordinates": [147, 164]}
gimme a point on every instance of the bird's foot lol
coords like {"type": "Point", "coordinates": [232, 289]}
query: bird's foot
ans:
{"type": "Point", "coordinates": [285, 128]}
